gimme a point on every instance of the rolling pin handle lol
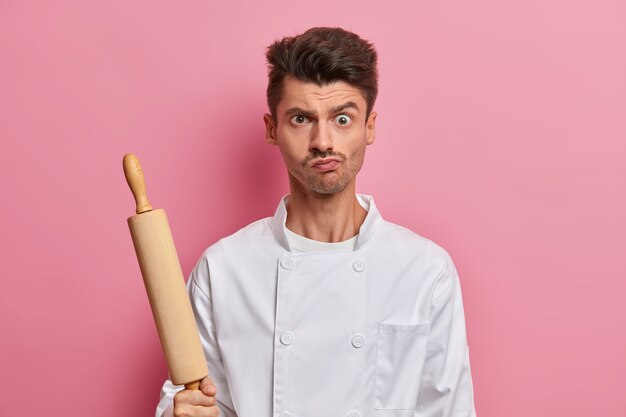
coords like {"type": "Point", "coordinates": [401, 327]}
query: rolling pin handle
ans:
{"type": "Point", "coordinates": [193, 385]}
{"type": "Point", "coordinates": [135, 180]}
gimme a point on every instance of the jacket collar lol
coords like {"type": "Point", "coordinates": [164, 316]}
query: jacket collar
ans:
{"type": "Point", "coordinates": [366, 232]}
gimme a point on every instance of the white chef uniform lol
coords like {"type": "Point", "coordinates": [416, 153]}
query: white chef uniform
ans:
{"type": "Point", "coordinates": [374, 331]}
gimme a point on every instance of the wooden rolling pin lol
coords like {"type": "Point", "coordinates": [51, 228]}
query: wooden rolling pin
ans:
{"type": "Point", "coordinates": [165, 285]}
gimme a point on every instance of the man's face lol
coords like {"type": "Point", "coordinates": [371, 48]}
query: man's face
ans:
{"type": "Point", "coordinates": [322, 133]}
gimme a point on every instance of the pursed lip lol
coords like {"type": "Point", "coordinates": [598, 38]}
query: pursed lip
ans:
{"type": "Point", "coordinates": [325, 161]}
{"type": "Point", "coordinates": [326, 164]}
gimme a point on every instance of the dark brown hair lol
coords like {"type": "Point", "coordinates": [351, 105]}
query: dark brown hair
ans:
{"type": "Point", "coordinates": [322, 55]}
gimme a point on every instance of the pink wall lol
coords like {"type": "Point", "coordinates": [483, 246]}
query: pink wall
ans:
{"type": "Point", "coordinates": [501, 136]}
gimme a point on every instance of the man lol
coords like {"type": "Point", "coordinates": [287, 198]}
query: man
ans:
{"type": "Point", "coordinates": [326, 309]}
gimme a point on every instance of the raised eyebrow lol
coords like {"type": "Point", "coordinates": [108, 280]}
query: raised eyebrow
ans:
{"type": "Point", "coordinates": [347, 105]}
{"type": "Point", "coordinates": [299, 111]}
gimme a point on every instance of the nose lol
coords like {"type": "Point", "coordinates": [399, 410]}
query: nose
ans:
{"type": "Point", "coordinates": [321, 138]}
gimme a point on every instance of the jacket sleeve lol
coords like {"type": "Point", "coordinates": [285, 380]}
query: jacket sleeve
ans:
{"type": "Point", "coordinates": [198, 288]}
{"type": "Point", "coordinates": [446, 389]}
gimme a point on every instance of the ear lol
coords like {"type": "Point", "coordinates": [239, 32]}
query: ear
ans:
{"type": "Point", "coordinates": [270, 129]}
{"type": "Point", "coordinates": [370, 128]}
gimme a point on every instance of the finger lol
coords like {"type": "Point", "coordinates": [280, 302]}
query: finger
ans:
{"type": "Point", "coordinates": [200, 411]}
{"type": "Point", "coordinates": [208, 387]}
{"type": "Point", "coordinates": [193, 397]}
{"type": "Point", "coordinates": [199, 399]}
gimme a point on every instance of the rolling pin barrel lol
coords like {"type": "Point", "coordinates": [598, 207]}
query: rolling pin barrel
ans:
{"type": "Point", "coordinates": [165, 285]}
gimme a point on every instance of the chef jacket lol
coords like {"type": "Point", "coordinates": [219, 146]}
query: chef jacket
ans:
{"type": "Point", "coordinates": [378, 331]}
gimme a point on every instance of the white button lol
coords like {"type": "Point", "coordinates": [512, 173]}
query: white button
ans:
{"type": "Point", "coordinates": [288, 264]}
{"type": "Point", "coordinates": [286, 338]}
{"type": "Point", "coordinates": [359, 266]}
{"type": "Point", "coordinates": [354, 414]}
{"type": "Point", "coordinates": [358, 341]}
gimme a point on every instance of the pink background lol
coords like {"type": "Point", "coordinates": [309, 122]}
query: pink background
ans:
{"type": "Point", "coordinates": [501, 136]}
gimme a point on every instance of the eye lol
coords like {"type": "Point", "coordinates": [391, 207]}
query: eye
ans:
{"type": "Point", "coordinates": [299, 119]}
{"type": "Point", "coordinates": [343, 120]}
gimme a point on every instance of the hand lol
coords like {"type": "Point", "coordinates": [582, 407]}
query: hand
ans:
{"type": "Point", "coordinates": [197, 403]}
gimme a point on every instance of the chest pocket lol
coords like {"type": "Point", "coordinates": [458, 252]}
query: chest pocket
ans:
{"type": "Point", "coordinates": [400, 355]}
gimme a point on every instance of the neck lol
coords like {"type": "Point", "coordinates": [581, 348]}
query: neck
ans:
{"type": "Point", "coordinates": [324, 217]}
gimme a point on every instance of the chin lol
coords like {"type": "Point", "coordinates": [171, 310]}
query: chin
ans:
{"type": "Point", "coordinates": [328, 188]}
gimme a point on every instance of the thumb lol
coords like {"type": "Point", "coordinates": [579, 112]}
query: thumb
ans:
{"type": "Point", "coordinates": [208, 387]}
